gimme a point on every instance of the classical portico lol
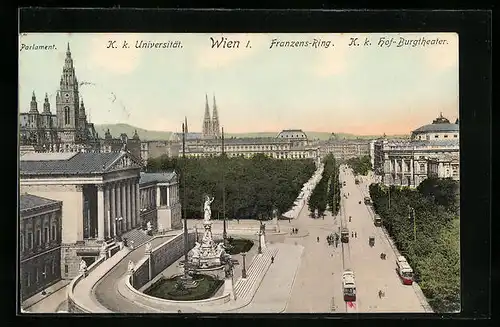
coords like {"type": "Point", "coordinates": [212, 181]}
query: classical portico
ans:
{"type": "Point", "coordinates": [160, 200]}
{"type": "Point", "coordinates": [100, 195]}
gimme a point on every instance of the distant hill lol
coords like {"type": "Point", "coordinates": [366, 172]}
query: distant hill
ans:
{"type": "Point", "coordinates": [146, 135]}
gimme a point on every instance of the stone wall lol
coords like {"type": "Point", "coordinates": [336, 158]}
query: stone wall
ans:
{"type": "Point", "coordinates": [71, 256]}
{"type": "Point", "coordinates": [141, 273]}
{"type": "Point", "coordinates": [167, 253]}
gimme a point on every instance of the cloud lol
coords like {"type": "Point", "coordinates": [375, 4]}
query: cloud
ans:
{"type": "Point", "coordinates": [215, 58]}
{"type": "Point", "coordinates": [117, 61]}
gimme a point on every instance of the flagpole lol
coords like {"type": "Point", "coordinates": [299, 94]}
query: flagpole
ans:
{"type": "Point", "coordinates": [224, 234]}
{"type": "Point", "coordinates": [184, 200]}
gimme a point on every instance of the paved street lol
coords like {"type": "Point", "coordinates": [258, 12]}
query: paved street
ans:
{"type": "Point", "coordinates": [318, 285]}
{"type": "Point", "coordinates": [372, 273]}
{"type": "Point", "coordinates": [106, 291]}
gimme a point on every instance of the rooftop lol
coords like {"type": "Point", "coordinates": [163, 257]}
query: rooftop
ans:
{"type": "Point", "coordinates": [79, 163]}
{"type": "Point", "coordinates": [29, 201]}
{"type": "Point", "coordinates": [440, 124]}
{"type": "Point", "coordinates": [163, 177]}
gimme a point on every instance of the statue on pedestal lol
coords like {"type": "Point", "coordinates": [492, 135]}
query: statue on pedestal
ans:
{"type": "Point", "coordinates": [131, 266]}
{"type": "Point", "coordinates": [196, 250]}
{"type": "Point", "coordinates": [148, 248]}
{"type": "Point", "coordinates": [207, 209]}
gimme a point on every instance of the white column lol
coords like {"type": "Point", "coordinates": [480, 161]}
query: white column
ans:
{"type": "Point", "coordinates": [129, 204]}
{"type": "Point", "coordinates": [100, 212]}
{"type": "Point", "coordinates": [107, 210]}
{"type": "Point", "coordinates": [133, 196]}
{"type": "Point", "coordinates": [168, 196]}
{"type": "Point", "coordinates": [138, 205]}
{"type": "Point", "coordinates": [112, 215]}
{"type": "Point", "coordinates": [123, 202]}
{"type": "Point", "coordinates": [158, 195]}
{"type": "Point", "coordinates": [412, 178]}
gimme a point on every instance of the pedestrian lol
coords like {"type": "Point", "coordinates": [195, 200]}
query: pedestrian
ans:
{"type": "Point", "coordinates": [289, 221]}
{"type": "Point", "coordinates": [272, 259]}
{"type": "Point", "coordinates": [355, 234]}
{"type": "Point", "coordinates": [352, 234]}
{"type": "Point", "coordinates": [317, 239]}
{"type": "Point", "coordinates": [379, 294]}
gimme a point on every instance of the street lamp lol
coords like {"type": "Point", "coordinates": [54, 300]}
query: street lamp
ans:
{"type": "Point", "coordinates": [260, 234]}
{"type": "Point", "coordinates": [244, 270]}
{"type": "Point", "coordinates": [411, 212]}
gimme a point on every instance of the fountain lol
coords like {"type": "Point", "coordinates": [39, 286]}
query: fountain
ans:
{"type": "Point", "coordinates": [208, 255]}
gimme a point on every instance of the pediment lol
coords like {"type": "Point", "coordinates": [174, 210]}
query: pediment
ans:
{"type": "Point", "coordinates": [125, 161]}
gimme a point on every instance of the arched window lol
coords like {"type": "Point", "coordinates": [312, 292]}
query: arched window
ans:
{"type": "Point", "coordinates": [66, 116]}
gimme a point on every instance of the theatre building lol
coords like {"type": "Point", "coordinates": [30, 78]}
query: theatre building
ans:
{"type": "Point", "coordinates": [100, 196]}
{"type": "Point", "coordinates": [39, 243]}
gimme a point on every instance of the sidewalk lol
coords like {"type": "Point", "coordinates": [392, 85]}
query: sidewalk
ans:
{"type": "Point", "coordinates": [48, 303]}
{"type": "Point", "coordinates": [275, 289]}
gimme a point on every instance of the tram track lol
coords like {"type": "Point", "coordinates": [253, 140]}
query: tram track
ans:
{"type": "Point", "coordinates": [346, 252]}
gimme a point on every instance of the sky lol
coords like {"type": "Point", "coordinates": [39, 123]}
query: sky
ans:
{"type": "Point", "coordinates": [366, 90]}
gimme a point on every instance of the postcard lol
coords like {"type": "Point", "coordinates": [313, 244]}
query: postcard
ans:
{"type": "Point", "coordinates": [239, 173]}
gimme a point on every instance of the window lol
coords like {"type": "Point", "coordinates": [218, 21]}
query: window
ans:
{"type": "Point", "coordinates": [66, 269]}
{"type": "Point", "coordinates": [422, 168]}
{"type": "Point", "coordinates": [44, 271]}
{"type": "Point", "coordinates": [54, 236]}
{"type": "Point", "coordinates": [46, 235]}
{"type": "Point", "coordinates": [30, 241]}
{"type": "Point", "coordinates": [436, 136]}
{"type": "Point", "coordinates": [53, 267]}
{"type": "Point", "coordinates": [67, 120]}
{"type": "Point", "coordinates": [445, 136]}
{"type": "Point", "coordinates": [36, 275]}
{"type": "Point", "coordinates": [38, 236]}
{"type": "Point", "coordinates": [28, 279]}
{"type": "Point", "coordinates": [455, 135]}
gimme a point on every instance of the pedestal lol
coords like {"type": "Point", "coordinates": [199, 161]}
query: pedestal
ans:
{"type": "Point", "coordinates": [262, 240]}
{"type": "Point", "coordinates": [229, 287]}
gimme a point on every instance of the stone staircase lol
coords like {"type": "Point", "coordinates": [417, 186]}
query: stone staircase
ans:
{"type": "Point", "coordinates": [138, 236]}
{"type": "Point", "coordinates": [246, 288]}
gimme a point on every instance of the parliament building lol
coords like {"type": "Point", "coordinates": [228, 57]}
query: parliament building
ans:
{"type": "Point", "coordinates": [68, 129]}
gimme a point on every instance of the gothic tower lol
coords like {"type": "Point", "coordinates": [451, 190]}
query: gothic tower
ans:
{"type": "Point", "coordinates": [67, 98]}
{"type": "Point", "coordinates": [215, 121]}
{"type": "Point", "coordinates": [33, 113]}
{"type": "Point", "coordinates": [207, 122]}
{"type": "Point", "coordinates": [46, 114]}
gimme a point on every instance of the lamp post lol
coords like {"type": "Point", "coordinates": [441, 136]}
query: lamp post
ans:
{"type": "Point", "coordinates": [244, 270]}
{"type": "Point", "coordinates": [412, 216]}
{"type": "Point", "coordinates": [260, 237]}
{"type": "Point", "coordinates": [224, 233]}
{"type": "Point", "coordinates": [186, 275]}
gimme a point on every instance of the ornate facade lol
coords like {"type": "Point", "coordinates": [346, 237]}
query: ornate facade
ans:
{"type": "Point", "coordinates": [103, 196]}
{"type": "Point", "coordinates": [39, 243]}
{"type": "Point", "coordinates": [408, 163]}
{"type": "Point", "coordinates": [344, 148]}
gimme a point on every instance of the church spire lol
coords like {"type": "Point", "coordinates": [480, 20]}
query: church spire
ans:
{"type": "Point", "coordinates": [33, 104]}
{"type": "Point", "coordinates": [207, 122]}
{"type": "Point", "coordinates": [68, 77]}
{"type": "Point", "coordinates": [46, 105]}
{"type": "Point", "coordinates": [215, 121]}
{"type": "Point", "coordinates": [186, 125]}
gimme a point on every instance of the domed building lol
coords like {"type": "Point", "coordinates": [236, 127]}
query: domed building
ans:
{"type": "Point", "coordinates": [440, 129]}
{"type": "Point", "coordinates": [432, 151]}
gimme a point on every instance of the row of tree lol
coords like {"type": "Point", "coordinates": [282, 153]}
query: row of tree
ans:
{"type": "Point", "coordinates": [424, 224]}
{"type": "Point", "coordinates": [253, 187]}
{"type": "Point", "coordinates": [360, 165]}
{"type": "Point", "coordinates": [326, 194]}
